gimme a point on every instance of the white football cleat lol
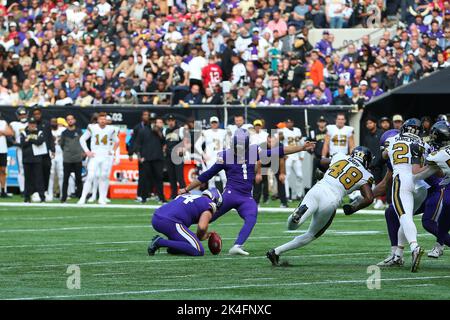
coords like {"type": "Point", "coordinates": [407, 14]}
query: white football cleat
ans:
{"type": "Point", "coordinates": [392, 261]}
{"type": "Point", "coordinates": [436, 252]}
{"type": "Point", "coordinates": [48, 198]}
{"type": "Point", "coordinates": [108, 200]}
{"type": "Point", "coordinates": [378, 205]}
{"type": "Point", "coordinates": [236, 249]}
{"type": "Point", "coordinates": [102, 202]}
{"type": "Point", "coordinates": [81, 201]}
{"type": "Point", "coordinates": [35, 197]}
{"type": "Point", "coordinates": [91, 200]}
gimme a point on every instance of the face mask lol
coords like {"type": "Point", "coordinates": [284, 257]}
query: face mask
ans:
{"type": "Point", "coordinates": [23, 120]}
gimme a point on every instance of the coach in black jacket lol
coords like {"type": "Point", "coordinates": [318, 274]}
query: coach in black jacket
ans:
{"type": "Point", "coordinates": [32, 163]}
{"type": "Point", "coordinates": [146, 118]}
{"type": "Point", "coordinates": [149, 148]}
{"type": "Point", "coordinates": [46, 129]}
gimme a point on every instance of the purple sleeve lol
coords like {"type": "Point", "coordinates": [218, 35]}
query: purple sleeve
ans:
{"type": "Point", "coordinates": [211, 172]}
{"type": "Point", "coordinates": [268, 152]}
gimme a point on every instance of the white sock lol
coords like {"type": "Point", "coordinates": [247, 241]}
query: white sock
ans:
{"type": "Point", "coordinates": [297, 242]}
{"type": "Point", "coordinates": [399, 252]}
{"type": "Point", "coordinates": [409, 228]}
{"type": "Point", "coordinates": [393, 249]}
{"type": "Point", "coordinates": [413, 246]}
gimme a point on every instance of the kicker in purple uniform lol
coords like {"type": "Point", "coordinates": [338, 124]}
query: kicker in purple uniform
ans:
{"type": "Point", "coordinates": [239, 163]}
{"type": "Point", "coordinates": [174, 219]}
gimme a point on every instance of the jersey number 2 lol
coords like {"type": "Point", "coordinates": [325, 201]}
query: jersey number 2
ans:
{"type": "Point", "coordinates": [400, 152]}
{"type": "Point", "coordinates": [348, 178]}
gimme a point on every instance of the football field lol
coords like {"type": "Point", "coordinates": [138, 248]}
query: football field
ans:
{"type": "Point", "coordinates": [42, 249]}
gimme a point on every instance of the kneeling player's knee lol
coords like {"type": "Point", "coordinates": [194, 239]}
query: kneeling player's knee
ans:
{"type": "Point", "coordinates": [199, 252]}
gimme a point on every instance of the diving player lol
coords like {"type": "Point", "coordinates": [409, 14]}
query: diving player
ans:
{"type": "Point", "coordinates": [239, 164]}
{"type": "Point", "coordinates": [174, 219]}
{"type": "Point", "coordinates": [344, 175]}
{"type": "Point", "coordinates": [405, 153]}
{"type": "Point", "coordinates": [101, 136]}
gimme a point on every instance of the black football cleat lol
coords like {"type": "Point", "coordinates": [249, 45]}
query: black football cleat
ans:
{"type": "Point", "coordinates": [298, 213]}
{"type": "Point", "coordinates": [153, 245]}
{"type": "Point", "coordinates": [273, 257]}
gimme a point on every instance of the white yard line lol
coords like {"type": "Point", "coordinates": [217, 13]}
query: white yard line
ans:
{"type": "Point", "coordinates": [151, 260]}
{"type": "Point", "coordinates": [244, 286]}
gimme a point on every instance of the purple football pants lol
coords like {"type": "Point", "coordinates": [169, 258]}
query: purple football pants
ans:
{"type": "Point", "coordinates": [435, 219]}
{"type": "Point", "coordinates": [180, 238]}
{"type": "Point", "coordinates": [246, 208]}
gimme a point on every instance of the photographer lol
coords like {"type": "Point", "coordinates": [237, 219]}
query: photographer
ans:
{"type": "Point", "coordinates": [32, 142]}
{"type": "Point", "coordinates": [149, 149]}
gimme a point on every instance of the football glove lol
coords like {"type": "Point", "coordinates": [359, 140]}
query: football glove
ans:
{"type": "Point", "coordinates": [348, 209]}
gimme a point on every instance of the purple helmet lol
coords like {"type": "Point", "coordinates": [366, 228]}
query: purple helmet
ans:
{"type": "Point", "coordinates": [388, 134]}
{"type": "Point", "coordinates": [241, 138]}
{"type": "Point", "coordinates": [214, 195]}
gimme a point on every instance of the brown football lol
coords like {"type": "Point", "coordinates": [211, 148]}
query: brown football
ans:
{"type": "Point", "coordinates": [214, 243]}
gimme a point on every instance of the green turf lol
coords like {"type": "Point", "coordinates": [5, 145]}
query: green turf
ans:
{"type": "Point", "coordinates": [109, 245]}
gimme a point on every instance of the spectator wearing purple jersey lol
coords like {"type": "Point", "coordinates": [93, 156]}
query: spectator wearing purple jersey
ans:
{"type": "Point", "coordinates": [319, 99]}
{"type": "Point", "coordinates": [345, 70]}
{"type": "Point", "coordinates": [300, 99]}
{"type": "Point", "coordinates": [277, 99]}
{"type": "Point", "coordinates": [375, 89]}
{"type": "Point", "coordinates": [324, 46]}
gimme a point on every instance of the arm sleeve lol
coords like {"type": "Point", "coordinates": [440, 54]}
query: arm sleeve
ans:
{"type": "Point", "coordinates": [84, 137]}
{"type": "Point", "coordinates": [268, 153]}
{"type": "Point", "coordinates": [211, 172]}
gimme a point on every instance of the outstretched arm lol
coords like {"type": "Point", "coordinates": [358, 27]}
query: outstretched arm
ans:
{"type": "Point", "coordinates": [380, 189]}
{"type": "Point", "coordinates": [308, 146]}
{"type": "Point", "coordinates": [426, 172]}
{"type": "Point", "coordinates": [204, 177]}
{"type": "Point", "coordinates": [366, 191]}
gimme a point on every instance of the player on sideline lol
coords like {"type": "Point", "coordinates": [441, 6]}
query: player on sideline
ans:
{"type": "Point", "coordinates": [438, 164]}
{"type": "Point", "coordinates": [113, 158]}
{"type": "Point", "coordinates": [18, 127]}
{"type": "Point", "coordinates": [291, 136]}
{"type": "Point", "coordinates": [98, 165]}
{"type": "Point", "coordinates": [214, 140]}
{"type": "Point", "coordinates": [239, 164]}
{"type": "Point", "coordinates": [405, 153]}
{"type": "Point", "coordinates": [174, 219]}
{"type": "Point", "coordinates": [344, 175]}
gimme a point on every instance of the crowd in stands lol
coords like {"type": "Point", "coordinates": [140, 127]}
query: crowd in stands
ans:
{"type": "Point", "coordinates": [253, 52]}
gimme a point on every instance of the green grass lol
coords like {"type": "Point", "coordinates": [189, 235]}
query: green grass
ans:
{"type": "Point", "coordinates": [38, 244]}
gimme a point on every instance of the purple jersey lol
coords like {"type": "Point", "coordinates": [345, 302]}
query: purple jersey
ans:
{"type": "Point", "coordinates": [186, 209]}
{"type": "Point", "coordinates": [372, 94]}
{"type": "Point", "coordinates": [239, 169]}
